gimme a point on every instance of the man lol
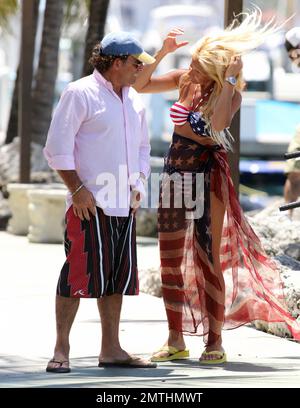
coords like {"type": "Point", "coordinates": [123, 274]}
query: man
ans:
{"type": "Point", "coordinates": [98, 143]}
{"type": "Point", "coordinates": [292, 168]}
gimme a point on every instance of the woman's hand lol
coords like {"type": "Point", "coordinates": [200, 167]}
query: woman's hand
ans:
{"type": "Point", "coordinates": [170, 44]}
{"type": "Point", "coordinates": [234, 67]}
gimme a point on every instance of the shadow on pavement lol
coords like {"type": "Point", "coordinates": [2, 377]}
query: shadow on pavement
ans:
{"type": "Point", "coordinates": [232, 366]}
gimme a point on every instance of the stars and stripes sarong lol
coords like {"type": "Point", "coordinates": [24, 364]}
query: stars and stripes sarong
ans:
{"type": "Point", "coordinates": [101, 256]}
{"type": "Point", "coordinates": [253, 287]}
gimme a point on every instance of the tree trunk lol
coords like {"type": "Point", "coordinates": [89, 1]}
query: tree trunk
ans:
{"type": "Point", "coordinates": [234, 7]}
{"type": "Point", "coordinates": [43, 93]}
{"type": "Point", "coordinates": [12, 127]}
{"type": "Point", "coordinates": [97, 18]}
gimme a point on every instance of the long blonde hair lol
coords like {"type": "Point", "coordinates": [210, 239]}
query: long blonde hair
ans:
{"type": "Point", "coordinates": [213, 53]}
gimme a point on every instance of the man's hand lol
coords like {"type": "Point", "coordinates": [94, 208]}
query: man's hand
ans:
{"type": "Point", "coordinates": [83, 202]}
{"type": "Point", "coordinates": [170, 44]}
{"type": "Point", "coordinates": [135, 200]}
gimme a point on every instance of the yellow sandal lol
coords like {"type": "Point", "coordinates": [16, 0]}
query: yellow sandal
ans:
{"type": "Point", "coordinates": [173, 354]}
{"type": "Point", "coordinates": [221, 357]}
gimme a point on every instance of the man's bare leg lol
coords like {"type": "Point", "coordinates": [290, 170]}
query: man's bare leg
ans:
{"type": "Point", "coordinates": [66, 309]}
{"type": "Point", "coordinates": [110, 312]}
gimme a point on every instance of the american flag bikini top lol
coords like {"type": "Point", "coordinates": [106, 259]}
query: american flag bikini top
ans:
{"type": "Point", "coordinates": [180, 114]}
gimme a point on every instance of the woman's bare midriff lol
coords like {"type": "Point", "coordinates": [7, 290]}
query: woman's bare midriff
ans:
{"type": "Point", "coordinates": [186, 131]}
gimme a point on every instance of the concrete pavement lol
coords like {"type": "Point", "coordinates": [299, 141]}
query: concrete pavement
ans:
{"type": "Point", "coordinates": [28, 280]}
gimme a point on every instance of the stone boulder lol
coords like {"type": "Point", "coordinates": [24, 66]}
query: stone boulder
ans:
{"type": "Point", "coordinates": [290, 273]}
{"type": "Point", "coordinates": [278, 233]}
{"type": "Point", "coordinates": [146, 222]}
{"type": "Point", "coordinates": [150, 281]}
{"type": "Point", "coordinates": [10, 163]}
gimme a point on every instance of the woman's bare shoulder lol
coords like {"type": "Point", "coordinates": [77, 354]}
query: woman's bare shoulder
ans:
{"type": "Point", "coordinates": [181, 75]}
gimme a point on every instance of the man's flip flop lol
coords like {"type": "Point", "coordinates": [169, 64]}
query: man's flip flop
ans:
{"type": "Point", "coordinates": [60, 369]}
{"type": "Point", "coordinates": [221, 357]}
{"type": "Point", "coordinates": [132, 362]}
{"type": "Point", "coordinates": [173, 354]}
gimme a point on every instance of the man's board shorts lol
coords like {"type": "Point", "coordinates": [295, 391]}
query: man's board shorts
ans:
{"type": "Point", "coordinates": [101, 256]}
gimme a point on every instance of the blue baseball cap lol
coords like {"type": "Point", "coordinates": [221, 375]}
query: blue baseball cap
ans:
{"type": "Point", "coordinates": [123, 43]}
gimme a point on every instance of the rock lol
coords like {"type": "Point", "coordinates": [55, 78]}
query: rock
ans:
{"type": "Point", "coordinates": [277, 329]}
{"type": "Point", "coordinates": [146, 222]}
{"type": "Point", "coordinates": [276, 230]}
{"type": "Point", "coordinates": [10, 161]}
{"type": "Point", "coordinates": [290, 274]}
{"type": "Point", "coordinates": [288, 263]}
{"type": "Point", "coordinates": [150, 282]}
{"type": "Point", "coordinates": [5, 212]}
{"type": "Point", "coordinates": [293, 250]}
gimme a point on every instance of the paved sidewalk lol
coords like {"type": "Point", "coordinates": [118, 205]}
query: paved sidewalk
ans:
{"type": "Point", "coordinates": [28, 281]}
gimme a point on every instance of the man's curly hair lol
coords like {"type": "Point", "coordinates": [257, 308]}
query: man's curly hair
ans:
{"type": "Point", "coordinates": [103, 62]}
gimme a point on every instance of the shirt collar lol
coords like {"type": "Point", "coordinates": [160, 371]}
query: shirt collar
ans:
{"type": "Point", "coordinates": [100, 78]}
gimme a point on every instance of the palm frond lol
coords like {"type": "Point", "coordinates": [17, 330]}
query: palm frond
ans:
{"type": "Point", "coordinates": [7, 9]}
{"type": "Point", "coordinates": [76, 11]}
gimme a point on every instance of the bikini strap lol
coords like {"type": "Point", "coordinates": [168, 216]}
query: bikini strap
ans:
{"type": "Point", "coordinates": [203, 98]}
{"type": "Point", "coordinates": [192, 104]}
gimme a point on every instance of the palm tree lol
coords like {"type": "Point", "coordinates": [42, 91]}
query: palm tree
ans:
{"type": "Point", "coordinates": [12, 128]}
{"type": "Point", "coordinates": [72, 13]}
{"type": "Point", "coordinates": [234, 7]}
{"type": "Point", "coordinates": [97, 17]}
{"type": "Point", "coordinates": [43, 93]}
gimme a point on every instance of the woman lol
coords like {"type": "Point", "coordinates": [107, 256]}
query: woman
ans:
{"type": "Point", "coordinates": [203, 255]}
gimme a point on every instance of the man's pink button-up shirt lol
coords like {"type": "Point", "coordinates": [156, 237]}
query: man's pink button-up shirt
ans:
{"type": "Point", "coordinates": [105, 139]}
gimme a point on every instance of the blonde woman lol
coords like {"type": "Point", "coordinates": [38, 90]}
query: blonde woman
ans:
{"type": "Point", "coordinates": [215, 274]}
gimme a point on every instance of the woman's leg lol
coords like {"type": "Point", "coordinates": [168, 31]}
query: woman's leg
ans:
{"type": "Point", "coordinates": [172, 227]}
{"type": "Point", "coordinates": [171, 259]}
{"type": "Point", "coordinates": [216, 291]}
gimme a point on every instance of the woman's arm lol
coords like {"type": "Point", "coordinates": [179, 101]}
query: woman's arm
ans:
{"type": "Point", "coordinates": [145, 83]}
{"type": "Point", "coordinates": [226, 107]}
{"type": "Point", "coordinates": [229, 100]}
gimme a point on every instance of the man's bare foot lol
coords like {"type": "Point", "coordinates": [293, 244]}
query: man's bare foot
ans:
{"type": "Point", "coordinates": [58, 366]}
{"type": "Point", "coordinates": [116, 354]}
{"type": "Point", "coordinates": [60, 361]}
{"type": "Point", "coordinates": [123, 359]}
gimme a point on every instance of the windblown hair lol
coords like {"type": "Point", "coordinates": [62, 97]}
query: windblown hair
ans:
{"type": "Point", "coordinates": [213, 53]}
{"type": "Point", "coordinates": [103, 62]}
